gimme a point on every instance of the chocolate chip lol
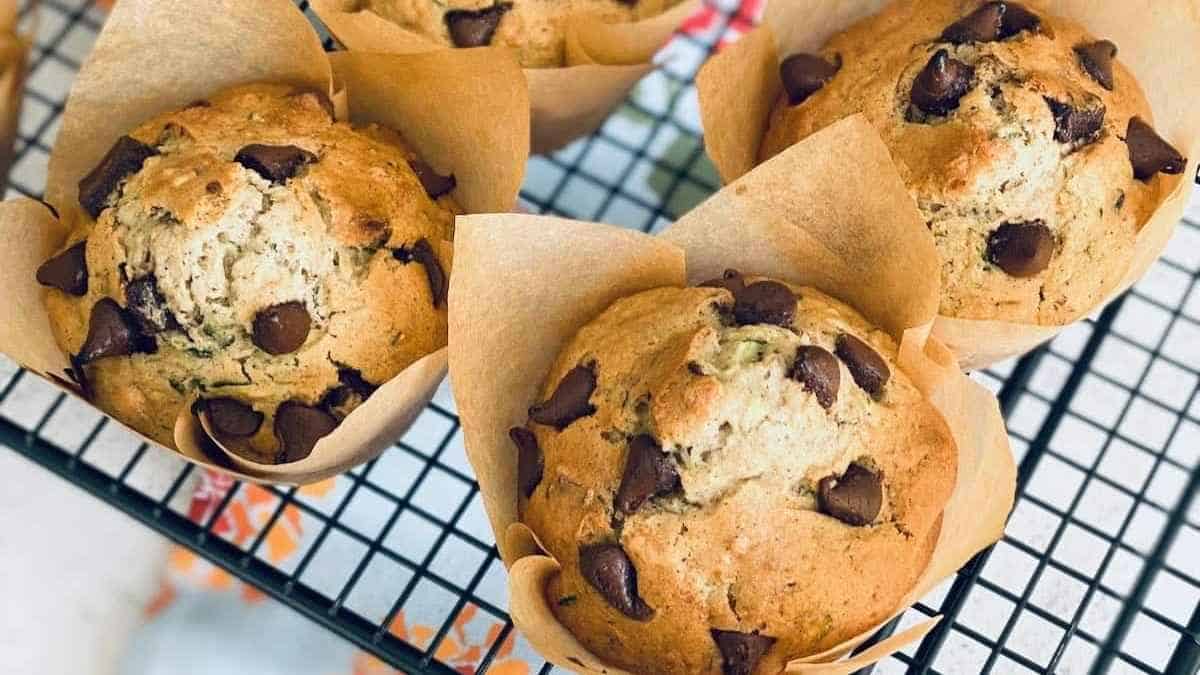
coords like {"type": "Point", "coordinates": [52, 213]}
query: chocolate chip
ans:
{"type": "Point", "coordinates": [854, 497]}
{"type": "Point", "coordinates": [475, 27]}
{"type": "Point", "coordinates": [1073, 124]}
{"type": "Point", "coordinates": [125, 158]}
{"type": "Point", "coordinates": [213, 188]}
{"type": "Point", "coordinates": [112, 332]}
{"type": "Point", "coordinates": [147, 306]}
{"type": "Point", "coordinates": [1097, 59]}
{"type": "Point", "coordinates": [1016, 19]}
{"type": "Point", "coordinates": [731, 281]}
{"type": "Point", "coordinates": [740, 651]}
{"type": "Point", "coordinates": [423, 253]}
{"type": "Point", "coordinates": [866, 366]}
{"type": "Point", "coordinates": [982, 25]}
{"type": "Point", "coordinates": [765, 302]}
{"type": "Point", "coordinates": [818, 370]}
{"type": "Point", "coordinates": [609, 571]}
{"type": "Point", "coordinates": [941, 84]}
{"type": "Point", "coordinates": [353, 389]}
{"type": "Point", "coordinates": [570, 399]}
{"type": "Point", "coordinates": [435, 184]}
{"type": "Point", "coordinates": [199, 103]}
{"type": "Point", "coordinates": [648, 473]}
{"type": "Point", "coordinates": [529, 459]}
{"type": "Point", "coordinates": [1149, 153]}
{"type": "Point", "coordinates": [281, 329]}
{"type": "Point", "coordinates": [1021, 249]}
{"type": "Point", "coordinates": [352, 378]}
{"type": "Point", "coordinates": [804, 74]}
{"type": "Point", "coordinates": [298, 427]}
{"type": "Point", "coordinates": [78, 375]}
{"type": "Point", "coordinates": [66, 271]}
{"type": "Point", "coordinates": [229, 417]}
{"type": "Point", "coordinates": [276, 163]}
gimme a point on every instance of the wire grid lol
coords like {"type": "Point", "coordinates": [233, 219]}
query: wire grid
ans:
{"type": "Point", "coordinates": [1098, 571]}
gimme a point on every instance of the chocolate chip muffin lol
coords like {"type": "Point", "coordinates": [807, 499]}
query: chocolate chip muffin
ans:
{"type": "Point", "coordinates": [732, 476]}
{"type": "Point", "coordinates": [1028, 147]}
{"type": "Point", "coordinates": [533, 27]}
{"type": "Point", "coordinates": [253, 256]}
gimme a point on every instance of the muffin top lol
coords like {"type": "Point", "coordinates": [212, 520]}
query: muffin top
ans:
{"type": "Point", "coordinates": [732, 476]}
{"type": "Point", "coordinates": [533, 27]}
{"type": "Point", "coordinates": [250, 252]}
{"type": "Point", "coordinates": [1027, 145]}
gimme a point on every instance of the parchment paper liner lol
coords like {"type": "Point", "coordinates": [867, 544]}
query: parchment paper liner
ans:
{"type": "Point", "coordinates": [604, 61]}
{"type": "Point", "coordinates": [14, 53]}
{"type": "Point", "coordinates": [738, 88]}
{"type": "Point", "coordinates": [804, 216]}
{"type": "Point", "coordinates": [464, 111]}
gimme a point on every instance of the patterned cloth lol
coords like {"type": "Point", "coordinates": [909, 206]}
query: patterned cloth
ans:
{"type": "Point", "coordinates": [203, 620]}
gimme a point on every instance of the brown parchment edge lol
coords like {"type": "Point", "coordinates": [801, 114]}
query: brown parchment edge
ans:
{"type": "Point", "coordinates": [738, 87]}
{"type": "Point", "coordinates": [604, 61]}
{"type": "Point", "coordinates": [14, 54]}
{"type": "Point", "coordinates": [504, 337]}
{"type": "Point", "coordinates": [158, 55]}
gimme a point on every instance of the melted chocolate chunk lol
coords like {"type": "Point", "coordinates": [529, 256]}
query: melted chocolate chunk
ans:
{"type": "Point", "coordinates": [854, 498]}
{"type": "Point", "coordinates": [124, 159]}
{"type": "Point", "coordinates": [740, 652]}
{"type": "Point", "coordinates": [475, 28]}
{"type": "Point", "coordinates": [611, 572]}
{"type": "Point", "coordinates": [423, 253]}
{"type": "Point", "coordinates": [804, 75]}
{"type": "Point", "coordinates": [529, 460]}
{"type": "Point", "coordinates": [940, 85]}
{"type": "Point", "coordinates": [768, 302]}
{"type": "Point", "coordinates": [148, 307]}
{"type": "Point", "coordinates": [298, 427]}
{"type": "Point", "coordinates": [818, 371]}
{"type": "Point", "coordinates": [67, 271]}
{"type": "Point", "coordinates": [1073, 124]}
{"type": "Point", "coordinates": [982, 25]}
{"type": "Point", "coordinates": [1021, 249]}
{"type": "Point", "coordinates": [866, 366]}
{"type": "Point", "coordinates": [1097, 59]}
{"type": "Point", "coordinates": [276, 163]}
{"type": "Point", "coordinates": [649, 473]}
{"type": "Point", "coordinates": [112, 332]}
{"type": "Point", "coordinates": [229, 417]}
{"type": "Point", "coordinates": [281, 329]}
{"type": "Point", "coordinates": [1149, 153]}
{"type": "Point", "coordinates": [570, 400]}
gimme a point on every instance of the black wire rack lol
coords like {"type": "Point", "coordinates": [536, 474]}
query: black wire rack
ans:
{"type": "Point", "coordinates": [1099, 570]}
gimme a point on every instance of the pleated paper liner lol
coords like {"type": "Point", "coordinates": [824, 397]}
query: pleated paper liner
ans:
{"type": "Point", "coordinates": [738, 88]}
{"type": "Point", "coordinates": [832, 213]}
{"type": "Point", "coordinates": [14, 56]}
{"type": "Point", "coordinates": [465, 112]}
{"type": "Point", "coordinates": [604, 61]}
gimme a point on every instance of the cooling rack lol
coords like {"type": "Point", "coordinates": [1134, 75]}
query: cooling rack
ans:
{"type": "Point", "coordinates": [1099, 570]}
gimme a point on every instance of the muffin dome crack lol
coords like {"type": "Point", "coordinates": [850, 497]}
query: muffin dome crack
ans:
{"type": "Point", "coordinates": [254, 255]}
{"type": "Point", "coordinates": [1001, 120]}
{"type": "Point", "coordinates": [714, 454]}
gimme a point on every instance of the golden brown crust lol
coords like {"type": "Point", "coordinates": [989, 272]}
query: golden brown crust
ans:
{"type": "Point", "coordinates": [995, 159]}
{"type": "Point", "coordinates": [224, 243]}
{"type": "Point", "coordinates": [532, 27]}
{"type": "Point", "coordinates": [743, 546]}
